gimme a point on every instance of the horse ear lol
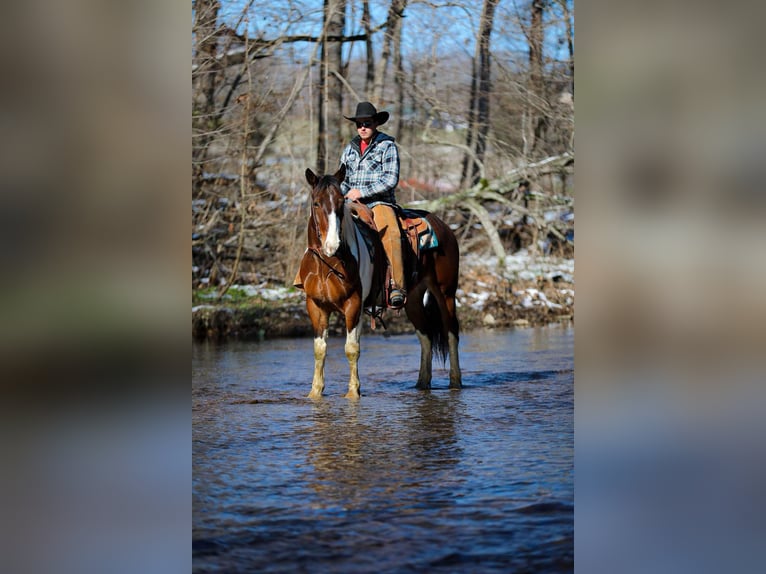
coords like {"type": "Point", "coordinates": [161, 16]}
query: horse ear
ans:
{"type": "Point", "coordinates": [311, 177]}
{"type": "Point", "coordinates": [340, 175]}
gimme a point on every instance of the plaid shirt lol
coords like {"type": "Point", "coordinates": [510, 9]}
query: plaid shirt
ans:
{"type": "Point", "coordinates": [376, 173]}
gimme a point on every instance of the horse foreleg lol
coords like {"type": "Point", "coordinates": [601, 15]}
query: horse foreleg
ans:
{"type": "Point", "coordinates": [319, 321]}
{"type": "Point", "coordinates": [426, 358]}
{"type": "Point", "coordinates": [352, 311]}
{"type": "Point", "coordinates": [352, 354]}
{"type": "Point", "coordinates": [320, 354]}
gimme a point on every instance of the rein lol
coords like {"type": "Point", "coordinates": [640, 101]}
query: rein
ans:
{"type": "Point", "coordinates": [316, 252]}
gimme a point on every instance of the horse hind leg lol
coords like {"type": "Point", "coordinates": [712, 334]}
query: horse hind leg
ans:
{"type": "Point", "coordinates": [426, 359]}
{"type": "Point", "coordinates": [449, 322]}
{"type": "Point", "coordinates": [455, 377]}
{"type": "Point", "coordinates": [453, 338]}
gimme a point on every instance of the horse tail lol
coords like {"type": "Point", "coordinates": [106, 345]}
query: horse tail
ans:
{"type": "Point", "coordinates": [436, 330]}
{"type": "Point", "coordinates": [446, 260]}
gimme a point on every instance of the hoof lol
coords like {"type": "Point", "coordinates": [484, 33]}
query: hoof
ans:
{"type": "Point", "coordinates": [314, 395]}
{"type": "Point", "coordinates": [350, 395]}
{"type": "Point", "coordinates": [423, 386]}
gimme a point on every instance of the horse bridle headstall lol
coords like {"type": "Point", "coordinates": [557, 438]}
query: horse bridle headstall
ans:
{"type": "Point", "coordinates": [318, 253]}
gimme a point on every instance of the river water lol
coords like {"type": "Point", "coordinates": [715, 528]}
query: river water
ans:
{"type": "Point", "coordinates": [476, 480]}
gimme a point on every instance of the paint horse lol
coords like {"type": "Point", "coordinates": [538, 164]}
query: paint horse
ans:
{"type": "Point", "coordinates": [341, 274]}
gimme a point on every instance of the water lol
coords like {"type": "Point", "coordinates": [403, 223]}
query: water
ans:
{"type": "Point", "coordinates": [477, 480]}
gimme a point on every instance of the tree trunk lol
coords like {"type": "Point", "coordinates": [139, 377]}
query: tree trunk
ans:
{"type": "Point", "coordinates": [204, 83]}
{"type": "Point", "coordinates": [399, 81]}
{"type": "Point", "coordinates": [468, 158]}
{"type": "Point", "coordinates": [329, 139]}
{"type": "Point", "coordinates": [570, 40]}
{"type": "Point", "coordinates": [538, 119]}
{"type": "Point", "coordinates": [369, 78]}
{"type": "Point", "coordinates": [393, 21]}
{"type": "Point", "coordinates": [478, 116]}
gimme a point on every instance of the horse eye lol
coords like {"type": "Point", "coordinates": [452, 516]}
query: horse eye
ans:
{"type": "Point", "coordinates": [316, 204]}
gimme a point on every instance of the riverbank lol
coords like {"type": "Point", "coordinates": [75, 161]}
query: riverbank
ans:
{"type": "Point", "coordinates": [526, 291]}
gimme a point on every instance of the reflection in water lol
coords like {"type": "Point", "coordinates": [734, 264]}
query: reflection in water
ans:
{"type": "Point", "coordinates": [364, 461]}
{"type": "Point", "coordinates": [479, 480]}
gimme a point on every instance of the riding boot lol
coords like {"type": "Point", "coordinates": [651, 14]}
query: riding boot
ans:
{"type": "Point", "coordinates": [390, 236]}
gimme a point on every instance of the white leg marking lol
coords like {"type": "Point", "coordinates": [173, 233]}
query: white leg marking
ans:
{"type": "Point", "coordinates": [320, 354]}
{"type": "Point", "coordinates": [352, 354]}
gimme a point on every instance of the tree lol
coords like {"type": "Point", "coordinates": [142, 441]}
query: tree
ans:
{"type": "Point", "coordinates": [369, 78]}
{"type": "Point", "coordinates": [330, 106]}
{"type": "Point", "coordinates": [204, 82]}
{"type": "Point", "coordinates": [538, 101]}
{"type": "Point", "coordinates": [392, 29]}
{"type": "Point", "coordinates": [258, 121]}
{"type": "Point", "coordinates": [478, 112]}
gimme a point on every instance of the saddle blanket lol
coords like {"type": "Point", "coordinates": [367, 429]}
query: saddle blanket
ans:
{"type": "Point", "coordinates": [418, 230]}
{"type": "Point", "coordinates": [413, 223]}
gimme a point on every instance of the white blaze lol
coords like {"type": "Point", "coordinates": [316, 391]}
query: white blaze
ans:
{"type": "Point", "coordinates": [332, 241]}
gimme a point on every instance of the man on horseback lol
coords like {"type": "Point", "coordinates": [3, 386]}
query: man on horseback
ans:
{"type": "Point", "coordinates": [372, 174]}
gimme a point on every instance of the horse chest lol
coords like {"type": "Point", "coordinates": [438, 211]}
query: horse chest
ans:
{"type": "Point", "coordinates": [329, 285]}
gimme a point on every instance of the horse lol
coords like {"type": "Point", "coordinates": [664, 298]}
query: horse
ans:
{"type": "Point", "coordinates": [339, 273]}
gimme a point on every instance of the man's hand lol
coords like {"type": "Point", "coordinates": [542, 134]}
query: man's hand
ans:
{"type": "Point", "coordinates": [353, 194]}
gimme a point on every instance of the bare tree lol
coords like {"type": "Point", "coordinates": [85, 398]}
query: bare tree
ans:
{"type": "Point", "coordinates": [393, 24]}
{"type": "Point", "coordinates": [330, 84]}
{"type": "Point", "coordinates": [204, 82]}
{"type": "Point", "coordinates": [399, 82]}
{"type": "Point", "coordinates": [478, 113]}
{"type": "Point", "coordinates": [369, 78]}
{"type": "Point", "coordinates": [538, 98]}
{"type": "Point", "coordinates": [567, 17]}
{"type": "Point", "coordinates": [254, 108]}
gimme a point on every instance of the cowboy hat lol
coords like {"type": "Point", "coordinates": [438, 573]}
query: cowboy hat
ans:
{"type": "Point", "coordinates": [367, 110]}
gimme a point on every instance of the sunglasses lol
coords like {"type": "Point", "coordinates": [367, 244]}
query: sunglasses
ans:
{"type": "Point", "coordinates": [364, 124]}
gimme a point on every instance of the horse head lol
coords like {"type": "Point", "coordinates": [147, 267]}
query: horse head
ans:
{"type": "Point", "coordinates": [327, 203]}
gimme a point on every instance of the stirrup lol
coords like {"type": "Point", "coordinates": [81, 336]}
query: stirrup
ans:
{"type": "Point", "coordinates": [396, 299]}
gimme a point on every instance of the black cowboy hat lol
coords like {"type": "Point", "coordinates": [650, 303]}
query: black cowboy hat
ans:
{"type": "Point", "coordinates": [367, 110]}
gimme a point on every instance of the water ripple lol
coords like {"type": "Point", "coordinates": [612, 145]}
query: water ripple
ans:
{"type": "Point", "coordinates": [479, 480]}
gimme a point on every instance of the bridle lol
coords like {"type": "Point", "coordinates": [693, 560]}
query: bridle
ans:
{"type": "Point", "coordinates": [318, 252]}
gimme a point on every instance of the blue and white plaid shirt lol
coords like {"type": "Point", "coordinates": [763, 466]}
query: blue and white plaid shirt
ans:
{"type": "Point", "coordinates": [376, 173]}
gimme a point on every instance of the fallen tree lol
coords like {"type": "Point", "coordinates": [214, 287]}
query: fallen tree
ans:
{"type": "Point", "coordinates": [503, 192]}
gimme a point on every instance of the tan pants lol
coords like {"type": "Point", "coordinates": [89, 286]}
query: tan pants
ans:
{"type": "Point", "coordinates": [388, 226]}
